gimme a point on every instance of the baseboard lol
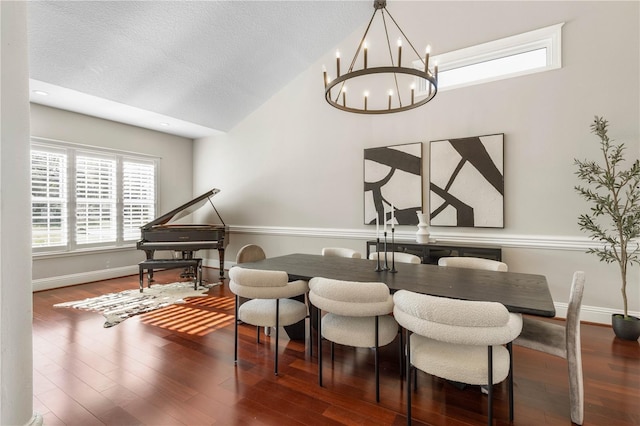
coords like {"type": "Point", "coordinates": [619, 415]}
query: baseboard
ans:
{"type": "Point", "coordinates": [81, 278]}
{"type": "Point", "coordinates": [36, 420]}
{"type": "Point", "coordinates": [594, 314]}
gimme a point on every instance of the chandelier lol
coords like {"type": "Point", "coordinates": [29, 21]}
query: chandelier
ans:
{"type": "Point", "coordinates": [396, 96]}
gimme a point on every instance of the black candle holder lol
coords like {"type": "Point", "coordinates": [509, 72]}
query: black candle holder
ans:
{"type": "Point", "coordinates": [393, 251]}
{"type": "Point", "coordinates": [378, 268]}
{"type": "Point", "coordinates": [386, 265]}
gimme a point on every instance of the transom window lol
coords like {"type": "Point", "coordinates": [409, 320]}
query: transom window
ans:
{"type": "Point", "coordinates": [526, 53]}
{"type": "Point", "coordinates": [86, 197]}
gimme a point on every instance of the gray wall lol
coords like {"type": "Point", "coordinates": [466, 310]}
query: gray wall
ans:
{"type": "Point", "coordinates": [175, 182]}
{"type": "Point", "coordinates": [291, 173]}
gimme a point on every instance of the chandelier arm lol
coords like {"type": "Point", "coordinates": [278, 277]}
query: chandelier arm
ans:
{"type": "Point", "coordinates": [355, 56]}
{"type": "Point", "coordinates": [405, 37]}
{"type": "Point", "coordinates": [386, 32]}
{"type": "Point", "coordinates": [364, 36]}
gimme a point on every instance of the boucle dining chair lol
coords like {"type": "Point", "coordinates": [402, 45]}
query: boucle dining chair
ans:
{"type": "Point", "coordinates": [269, 303]}
{"type": "Point", "coordinates": [397, 256]}
{"type": "Point", "coordinates": [250, 253]}
{"type": "Point", "coordinates": [457, 340]}
{"type": "Point", "coordinates": [473, 263]}
{"type": "Point", "coordinates": [341, 252]}
{"type": "Point", "coordinates": [356, 314]}
{"type": "Point", "coordinates": [562, 340]}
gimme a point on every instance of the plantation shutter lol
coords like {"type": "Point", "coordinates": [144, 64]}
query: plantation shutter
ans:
{"type": "Point", "coordinates": [96, 220]}
{"type": "Point", "coordinates": [138, 196]}
{"type": "Point", "coordinates": [48, 198]}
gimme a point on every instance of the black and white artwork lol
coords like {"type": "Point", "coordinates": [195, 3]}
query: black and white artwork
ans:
{"type": "Point", "coordinates": [393, 178]}
{"type": "Point", "coordinates": [466, 184]}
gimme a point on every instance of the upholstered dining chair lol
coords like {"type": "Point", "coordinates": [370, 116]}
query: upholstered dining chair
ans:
{"type": "Point", "coordinates": [473, 263]}
{"type": "Point", "coordinates": [250, 253]}
{"type": "Point", "coordinates": [356, 314]}
{"type": "Point", "coordinates": [457, 340]}
{"type": "Point", "coordinates": [269, 303]}
{"type": "Point", "coordinates": [562, 340]}
{"type": "Point", "coordinates": [397, 256]}
{"type": "Point", "coordinates": [341, 252]}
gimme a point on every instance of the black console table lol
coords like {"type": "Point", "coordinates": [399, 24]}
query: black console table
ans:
{"type": "Point", "coordinates": [431, 252]}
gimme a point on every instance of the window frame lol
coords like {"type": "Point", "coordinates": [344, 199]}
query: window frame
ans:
{"type": "Point", "coordinates": [71, 150]}
{"type": "Point", "coordinates": [549, 38]}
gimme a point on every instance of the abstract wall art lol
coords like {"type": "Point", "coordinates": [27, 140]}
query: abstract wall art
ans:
{"type": "Point", "coordinates": [393, 177]}
{"type": "Point", "coordinates": [466, 182]}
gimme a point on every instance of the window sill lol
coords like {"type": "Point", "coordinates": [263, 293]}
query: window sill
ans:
{"type": "Point", "coordinates": [80, 252]}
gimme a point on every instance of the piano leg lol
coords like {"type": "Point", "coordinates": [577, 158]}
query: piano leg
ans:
{"type": "Point", "coordinates": [149, 254]}
{"type": "Point", "coordinates": [221, 256]}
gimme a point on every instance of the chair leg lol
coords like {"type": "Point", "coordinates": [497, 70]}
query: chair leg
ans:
{"type": "Point", "coordinates": [319, 328]}
{"type": "Point", "coordinates": [576, 387]}
{"type": "Point", "coordinates": [277, 334]}
{"type": "Point", "coordinates": [258, 334]}
{"type": "Point", "coordinates": [408, 373]}
{"type": "Point", "coordinates": [400, 334]}
{"type": "Point", "coordinates": [510, 349]}
{"type": "Point", "coordinates": [377, 365]}
{"type": "Point", "coordinates": [235, 350]}
{"type": "Point", "coordinates": [490, 384]}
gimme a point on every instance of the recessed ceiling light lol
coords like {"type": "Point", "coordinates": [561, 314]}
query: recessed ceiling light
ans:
{"type": "Point", "coordinates": [164, 124]}
{"type": "Point", "coordinates": [41, 92]}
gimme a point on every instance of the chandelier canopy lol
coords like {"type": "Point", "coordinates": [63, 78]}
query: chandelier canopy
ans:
{"type": "Point", "coordinates": [401, 82]}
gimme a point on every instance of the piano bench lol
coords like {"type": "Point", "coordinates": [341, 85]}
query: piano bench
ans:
{"type": "Point", "coordinates": [151, 264]}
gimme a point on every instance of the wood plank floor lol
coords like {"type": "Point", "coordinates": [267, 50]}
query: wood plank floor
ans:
{"type": "Point", "coordinates": [175, 367]}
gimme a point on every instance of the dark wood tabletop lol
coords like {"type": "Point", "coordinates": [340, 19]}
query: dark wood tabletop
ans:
{"type": "Point", "coordinates": [521, 293]}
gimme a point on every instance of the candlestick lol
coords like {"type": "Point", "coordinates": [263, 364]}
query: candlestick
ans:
{"type": "Point", "coordinates": [426, 59]}
{"type": "Point", "coordinates": [384, 219]}
{"type": "Point", "coordinates": [377, 226]}
{"type": "Point", "coordinates": [365, 55]}
{"type": "Point", "coordinates": [386, 265]}
{"type": "Point", "coordinates": [393, 252]}
{"type": "Point", "coordinates": [344, 96]}
{"type": "Point", "coordinates": [413, 90]}
{"type": "Point", "coordinates": [338, 62]}
{"type": "Point", "coordinates": [378, 268]}
{"type": "Point", "coordinates": [393, 217]}
{"type": "Point", "coordinates": [366, 95]}
{"type": "Point", "coordinates": [390, 95]}
{"type": "Point", "coordinates": [399, 52]}
{"type": "Point", "coordinates": [324, 76]}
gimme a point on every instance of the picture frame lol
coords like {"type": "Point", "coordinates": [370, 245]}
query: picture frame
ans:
{"type": "Point", "coordinates": [393, 177]}
{"type": "Point", "coordinates": [466, 182]}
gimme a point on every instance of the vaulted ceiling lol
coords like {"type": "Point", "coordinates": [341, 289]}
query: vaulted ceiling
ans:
{"type": "Point", "coordinates": [196, 66]}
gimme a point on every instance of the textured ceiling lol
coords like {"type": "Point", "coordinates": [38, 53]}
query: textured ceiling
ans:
{"type": "Point", "coordinates": [207, 63]}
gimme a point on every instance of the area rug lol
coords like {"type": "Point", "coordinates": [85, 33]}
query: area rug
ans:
{"type": "Point", "coordinates": [117, 307]}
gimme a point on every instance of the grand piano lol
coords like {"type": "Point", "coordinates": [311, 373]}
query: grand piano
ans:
{"type": "Point", "coordinates": [162, 234]}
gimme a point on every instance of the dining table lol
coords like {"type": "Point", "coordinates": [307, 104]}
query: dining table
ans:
{"type": "Point", "coordinates": [519, 292]}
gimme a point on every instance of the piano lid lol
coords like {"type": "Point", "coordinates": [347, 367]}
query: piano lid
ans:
{"type": "Point", "coordinates": [182, 211]}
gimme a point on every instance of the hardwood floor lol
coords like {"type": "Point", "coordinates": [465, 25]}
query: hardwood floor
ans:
{"type": "Point", "coordinates": [175, 367]}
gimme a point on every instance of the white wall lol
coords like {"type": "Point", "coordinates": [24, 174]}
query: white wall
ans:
{"type": "Point", "coordinates": [175, 182]}
{"type": "Point", "coordinates": [291, 173]}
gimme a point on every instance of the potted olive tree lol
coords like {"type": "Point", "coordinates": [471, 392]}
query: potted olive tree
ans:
{"type": "Point", "coordinates": [613, 193]}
